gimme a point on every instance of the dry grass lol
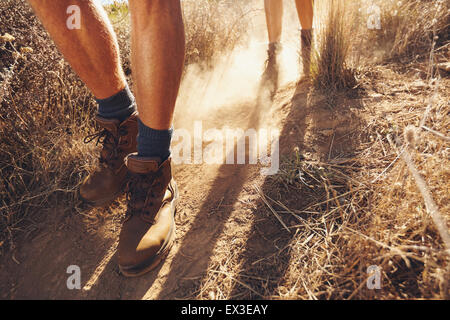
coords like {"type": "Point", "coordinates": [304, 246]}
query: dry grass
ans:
{"type": "Point", "coordinates": [44, 115]}
{"type": "Point", "coordinates": [408, 27]}
{"type": "Point", "coordinates": [362, 209]}
{"type": "Point", "coordinates": [392, 207]}
{"type": "Point", "coordinates": [330, 70]}
{"type": "Point", "coordinates": [213, 27]}
{"type": "Point", "coordinates": [370, 208]}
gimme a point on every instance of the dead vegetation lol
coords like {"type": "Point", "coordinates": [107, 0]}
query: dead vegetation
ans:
{"type": "Point", "coordinates": [410, 28]}
{"type": "Point", "coordinates": [362, 207]}
{"type": "Point", "coordinates": [330, 69]}
{"type": "Point", "coordinates": [44, 115]}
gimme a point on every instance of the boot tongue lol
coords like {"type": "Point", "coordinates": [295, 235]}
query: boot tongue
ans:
{"type": "Point", "coordinates": [142, 165]}
{"type": "Point", "coordinates": [112, 125]}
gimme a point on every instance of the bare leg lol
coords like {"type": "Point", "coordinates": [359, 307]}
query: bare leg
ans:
{"type": "Point", "coordinates": [305, 13]}
{"type": "Point", "coordinates": [92, 50]}
{"type": "Point", "coordinates": [158, 48]}
{"type": "Point", "coordinates": [274, 19]}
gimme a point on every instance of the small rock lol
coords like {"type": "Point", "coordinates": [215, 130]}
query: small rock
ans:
{"type": "Point", "coordinates": [327, 132]}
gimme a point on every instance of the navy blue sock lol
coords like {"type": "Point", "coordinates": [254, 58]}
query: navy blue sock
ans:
{"type": "Point", "coordinates": [120, 106]}
{"type": "Point", "coordinates": [153, 143]}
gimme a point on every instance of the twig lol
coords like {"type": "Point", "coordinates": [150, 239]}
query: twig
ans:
{"type": "Point", "coordinates": [240, 282]}
{"type": "Point", "coordinates": [387, 168]}
{"type": "Point", "coordinates": [437, 133]}
{"type": "Point", "coordinates": [431, 206]}
{"type": "Point", "coordinates": [261, 194]}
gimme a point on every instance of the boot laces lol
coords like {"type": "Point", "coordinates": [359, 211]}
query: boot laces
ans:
{"type": "Point", "coordinates": [109, 142]}
{"type": "Point", "coordinates": [141, 192]}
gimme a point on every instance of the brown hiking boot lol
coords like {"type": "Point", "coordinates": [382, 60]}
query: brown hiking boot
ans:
{"type": "Point", "coordinates": [148, 232]}
{"type": "Point", "coordinates": [107, 181]}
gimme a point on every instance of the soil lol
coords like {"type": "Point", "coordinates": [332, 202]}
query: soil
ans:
{"type": "Point", "coordinates": [219, 216]}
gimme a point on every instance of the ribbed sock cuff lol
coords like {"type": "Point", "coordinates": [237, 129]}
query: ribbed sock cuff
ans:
{"type": "Point", "coordinates": [153, 143]}
{"type": "Point", "coordinates": [119, 106]}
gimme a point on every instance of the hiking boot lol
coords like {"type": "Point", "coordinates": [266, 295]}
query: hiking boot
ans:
{"type": "Point", "coordinates": [270, 75]}
{"type": "Point", "coordinates": [306, 44]}
{"type": "Point", "coordinates": [148, 232]}
{"type": "Point", "coordinates": [107, 181]}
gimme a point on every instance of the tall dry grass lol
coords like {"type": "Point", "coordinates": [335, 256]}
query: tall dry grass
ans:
{"type": "Point", "coordinates": [330, 68]}
{"type": "Point", "coordinates": [44, 113]}
{"type": "Point", "coordinates": [345, 46]}
{"type": "Point", "coordinates": [409, 27]}
{"type": "Point", "coordinates": [381, 217]}
{"type": "Point", "coordinates": [214, 27]}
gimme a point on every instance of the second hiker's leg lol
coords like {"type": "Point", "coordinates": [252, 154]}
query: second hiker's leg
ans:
{"type": "Point", "coordinates": [305, 15]}
{"type": "Point", "coordinates": [274, 19]}
{"type": "Point", "coordinates": [91, 49]}
{"type": "Point", "coordinates": [158, 45]}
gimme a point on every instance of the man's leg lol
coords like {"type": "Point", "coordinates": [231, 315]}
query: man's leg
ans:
{"type": "Point", "coordinates": [305, 15]}
{"type": "Point", "coordinates": [158, 45]}
{"type": "Point", "coordinates": [92, 50]}
{"type": "Point", "coordinates": [93, 53]}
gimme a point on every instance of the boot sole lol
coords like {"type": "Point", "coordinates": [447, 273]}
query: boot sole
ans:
{"type": "Point", "coordinates": [164, 250]}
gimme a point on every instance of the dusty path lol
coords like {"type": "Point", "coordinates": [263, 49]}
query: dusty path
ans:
{"type": "Point", "coordinates": [220, 223]}
{"type": "Point", "coordinates": [216, 206]}
{"type": "Point", "coordinates": [224, 232]}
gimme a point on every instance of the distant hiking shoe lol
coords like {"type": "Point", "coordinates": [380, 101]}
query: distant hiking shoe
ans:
{"type": "Point", "coordinates": [306, 45]}
{"type": "Point", "coordinates": [148, 232]}
{"type": "Point", "coordinates": [271, 70]}
{"type": "Point", "coordinates": [107, 182]}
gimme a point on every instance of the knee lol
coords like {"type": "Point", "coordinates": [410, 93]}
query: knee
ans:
{"type": "Point", "coordinates": [152, 5]}
{"type": "Point", "coordinates": [144, 11]}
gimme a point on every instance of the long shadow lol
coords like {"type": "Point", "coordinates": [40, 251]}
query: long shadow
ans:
{"type": "Point", "coordinates": [63, 240]}
{"type": "Point", "coordinates": [269, 258]}
{"type": "Point", "coordinates": [195, 249]}
{"type": "Point", "coordinates": [206, 229]}
{"type": "Point", "coordinates": [267, 255]}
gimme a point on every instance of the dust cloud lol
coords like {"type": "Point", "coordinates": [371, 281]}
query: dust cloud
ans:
{"type": "Point", "coordinates": [233, 86]}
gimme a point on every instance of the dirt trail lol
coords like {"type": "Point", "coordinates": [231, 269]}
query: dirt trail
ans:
{"type": "Point", "coordinates": [220, 220]}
